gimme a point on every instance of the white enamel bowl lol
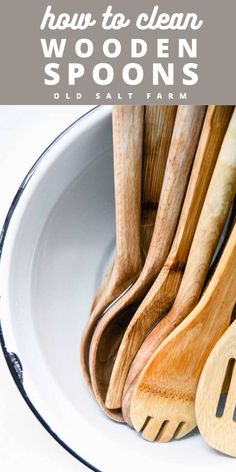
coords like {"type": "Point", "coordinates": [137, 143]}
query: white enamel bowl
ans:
{"type": "Point", "coordinates": [56, 244]}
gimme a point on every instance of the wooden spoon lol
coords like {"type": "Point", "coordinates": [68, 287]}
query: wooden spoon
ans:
{"type": "Point", "coordinates": [111, 327]}
{"type": "Point", "coordinates": [164, 290]}
{"type": "Point", "coordinates": [163, 402]}
{"type": "Point", "coordinates": [213, 216]}
{"type": "Point", "coordinates": [216, 392]}
{"type": "Point", "coordinates": [158, 127]}
{"type": "Point", "coordinates": [127, 122]}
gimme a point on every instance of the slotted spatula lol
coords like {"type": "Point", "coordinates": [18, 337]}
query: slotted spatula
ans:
{"type": "Point", "coordinates": [215, 405]}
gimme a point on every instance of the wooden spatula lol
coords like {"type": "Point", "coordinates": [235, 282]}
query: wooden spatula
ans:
{"type": "Point", "coordinates": [215, 405]}
{"type": "Point", "coordinates": [109, 332]}
{"type": "Point", "coordinates": [158, 127]}
{"type": "Point", "coordinates": [163, 403]}
{"type": "Point", "coordinates": [163, 292]}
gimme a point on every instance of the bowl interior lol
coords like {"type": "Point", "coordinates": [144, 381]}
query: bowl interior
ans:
{"type": "Point", "coordinates": [59, 242]}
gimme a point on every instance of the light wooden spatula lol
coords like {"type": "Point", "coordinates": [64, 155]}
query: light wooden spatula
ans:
{"type": "Point", "coordinates": [215, 405]}
{"type": "Point", "coordinates": [163, 404]}
{"type": "Point", "coordinates": [163, 292]}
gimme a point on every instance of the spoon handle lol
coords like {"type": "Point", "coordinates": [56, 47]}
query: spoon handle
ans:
{"type": "Point", "coordinates": [215, 210]}
{"type": "Point", "coordinates": [224, 289]}
{"type": "Point", "coordinates": [158, 127]}
{"type": "Point", "coordinates": [215, 125]}
{"type": "Point", "coordinates": [128, 141]}
{"type": "Point", "coordinates": [187, 128]}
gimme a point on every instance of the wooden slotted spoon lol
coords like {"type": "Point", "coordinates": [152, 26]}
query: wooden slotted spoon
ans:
{"type": "Point", "coordinates": [164, 290]}
{"type": "Point", "coordinates": [215, 403]}
{"type": "Point", "coordinates": [109, 332]}
{"type": "Point", "coordinates": [163, 404]}
{"type": "Point", "coordinates": [158, 127]}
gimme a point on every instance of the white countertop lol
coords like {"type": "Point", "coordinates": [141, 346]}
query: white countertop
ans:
{"type": "Point", "coordinates": [25, 131]}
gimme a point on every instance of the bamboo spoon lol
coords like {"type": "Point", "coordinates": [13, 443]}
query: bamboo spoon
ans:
{"type": "Point", "coordinates": [215, 413]}
{"type": "Point", "coordinates": [163, 292]}
{"type": "Point", "coordinates": [212, 219]}
{"type": "Point", "coordinates": [111, 327]}
{"type": "Point", "coordinates": [163, 403]}
{"type": "Point", "coordinates": [158, 127]}
{"type": "Point", "coordinates": [127, 122]}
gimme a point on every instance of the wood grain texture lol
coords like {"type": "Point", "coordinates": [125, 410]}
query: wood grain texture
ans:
{"type": "Point", "coordinates": [158, 128]}
{"type": "Point", "coordinates": [127, 122]}
{"type": "Point", "coordinates": [110, 329]}
{"type": "Point", "coordinates": [164, 290]}
{"type": "Point", "coordinates": [166, 388]}
{"type": "Point", "coordinates": [219, 432]}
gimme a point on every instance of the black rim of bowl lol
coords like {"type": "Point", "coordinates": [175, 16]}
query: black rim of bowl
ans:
{"type": "Point", "coordinates": [12, 360]}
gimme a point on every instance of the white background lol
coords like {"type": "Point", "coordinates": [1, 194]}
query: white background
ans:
{"type": "Point", "coordinates": [25, 132]}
